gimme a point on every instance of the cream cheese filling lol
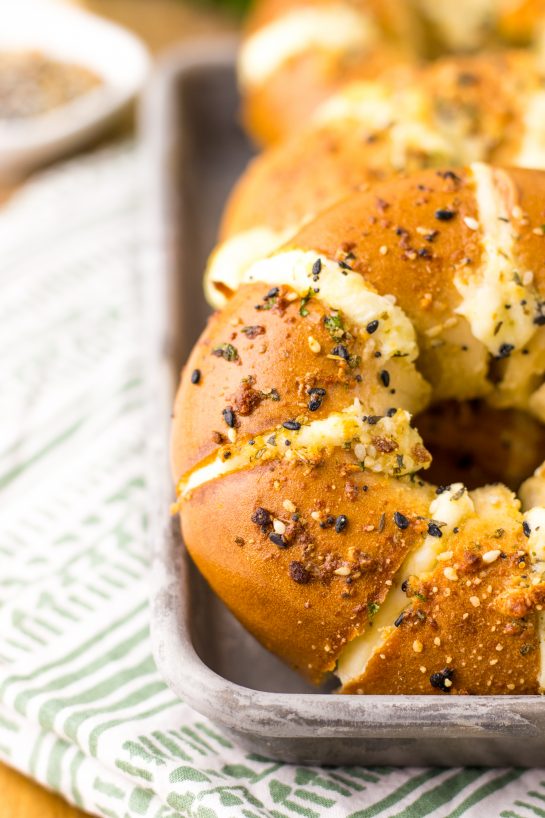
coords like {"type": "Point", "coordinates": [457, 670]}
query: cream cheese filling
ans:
{"type": "Point", "coordinates": [447, 509]}
{"type": "Point", "coordinates": [349, 429]}
{"type": "Point", "coordinates": [532, 151]}
{"type": "Point", "coordinates": [535, 519]}
{"type": "Point", "coordinates": [500, 308]}
{"type": "Point", "coordinates": [336, 27]}
{"type": "Point", "coordinates": [232, 258]}
{"type": "Point", "coordinates": [340, 289]}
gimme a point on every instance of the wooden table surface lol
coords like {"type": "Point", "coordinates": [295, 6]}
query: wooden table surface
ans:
{"type": "Point", "coordinates": [160, 23]}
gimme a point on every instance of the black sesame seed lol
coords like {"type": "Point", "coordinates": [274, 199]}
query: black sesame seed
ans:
{"type": "Point", "coordinates": [314, 403]}
{"type": "Point", "coordinates": [539, 320]}
{"type": "Point", "coordinates": [341, 352]}
{"type": "Point", "coordinates": [273, 292]}
{"type": "Point", "coordinates": [399, 619]}
{"type": "Point", "coordinates": [384, 376]}
{"type": "Point", "coordinates": [372, 420]}
{"type": "Point", "coordinates": [317, 267]}
{"type": "Point", "coordinates": [400, 520]}
{"type": "Point", "coordinates": [444, 215]}
{"type": "Point", "coordinates": [405, 586]}
{"type": "Point", "coordinates": [229, 417]}
{"type": "Point", "coordinates": [526, 529]}
{"type": "Point", "coordinates": [434, 530]}
{"type": "Point", "coordinates": [505, 351]}
{"type": "Point", "coordinates": [316, 390]}
{"type": "Point", "coordinates": [292, 425]}
{"type": "Point", "coordinates": [299, 573]}
{"type": "Point", "coordinates": [278, 539]}
{"type": "Point", "coordinates": [344, 266]}
{"type": "Point", "coordinates": [391, 412]}
{"type": "Point", "coordinates": [439, 678]}
{"type": "Point", "coordinates": [372, 327]}
{"type": "Point", "coordinates": [196, 376]}
{"type": "Point", "coordinates": [340, 523]}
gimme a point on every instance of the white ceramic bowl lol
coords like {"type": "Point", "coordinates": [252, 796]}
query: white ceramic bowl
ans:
{"type": "Point", "coordinates": [67, 34]}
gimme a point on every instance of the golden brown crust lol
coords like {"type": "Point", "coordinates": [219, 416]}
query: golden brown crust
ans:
{"type": "Point", "coordinates": [476, 104]}
{"type": "Point", "coordinates": [308, 619]}
{"type": "Point", "coordinates": [460, 625]}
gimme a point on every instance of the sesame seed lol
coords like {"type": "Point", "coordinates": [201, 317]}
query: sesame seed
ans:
{"type": "Point", "coordinates": [473, 224]}
{"type": "Point", "coordinates": [491, 556]}
{"type": "Point", "coordinates": [229, 417]}
{"type": "Point", "coordinates": [195, 376]}
{"type": "Point", "coordinates": [444, 214]}
{"type": "Point", "coordinates": [384, 376]}
{"type": "Point", "coordinates": [383, 250]}
{"type": "Point", "coordinates": [372, 327]}
{"type": "Point", "coordinates": [279, 526]}
{"type": "Point", "coordinates": [400, 520]}
{"type": "Point", "coordinates": [340, 523]}
{"type": "Point", "coordinates": [434, 530]}
{"type": "Point", "coordinates": [232, 435]}
{"type": "Point", "coordinates": [526, 529]}
{"type": "Point", "coordinates": [475, 601]}
{"type": "Point", "coordinates": [360, 451]}
{"type": "Point", "coordinates": [317, 267]}
{"type": "Point", "coordinates": [278, 539]}
{"type": "Point", "coordinates": [289, 506]}
{"type": "Point", "coordinates": [343, 571]}
{"type": "Point", "coordinates": [450, 573]}
{"type": "Point", "coordinates": [291, 425]}
{"type": "Point", "coordinates": [505, 351]}
{"type": "Point", "coordinates": [314, 345]}
{"type": "Point", "coordinates": [418, 647]}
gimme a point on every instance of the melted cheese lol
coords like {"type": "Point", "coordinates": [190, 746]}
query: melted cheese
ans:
{"type": "Point", "coordinates": [491, 300]}
{"type": "Point", "coordinates": [346, 429]}
{"type": "Point", "coordinates": [369, 103]}
{"type": "Point", "coordinates": [342, 290]}
{"type": "Point", "coordinates": [336, 27]}
{"type": "Point", "coordinates": [462, 25]}
{"type": "Point", "coordinates": [521, 373]}
{"type": "Point", "coordinates": [449, 508]}
{"type": "Point", "coordinates": [231, 259]}
{"type": "Point", "coordinates": [532, 151]}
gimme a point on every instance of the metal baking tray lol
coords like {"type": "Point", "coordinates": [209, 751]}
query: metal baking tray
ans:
{"type": "Point", "coordinates": [195, 149]}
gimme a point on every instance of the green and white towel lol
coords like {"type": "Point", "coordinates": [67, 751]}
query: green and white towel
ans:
{"type": "Point", "coordinates": [82, 707]}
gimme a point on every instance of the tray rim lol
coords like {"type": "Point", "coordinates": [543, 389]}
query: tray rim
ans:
{"type": "Point", "coordinates": [238, 708]}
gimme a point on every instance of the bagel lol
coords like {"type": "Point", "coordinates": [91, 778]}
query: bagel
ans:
{"type": "Point", "coordinates": [455, 111]}
{"type": "Point", "coordinates": [295, 55]}
{"type": "Point", "coordinates": [300, 473]}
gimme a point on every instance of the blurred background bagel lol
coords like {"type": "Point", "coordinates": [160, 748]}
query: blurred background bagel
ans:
{"type": "Point", "coordinates": [295, 55]}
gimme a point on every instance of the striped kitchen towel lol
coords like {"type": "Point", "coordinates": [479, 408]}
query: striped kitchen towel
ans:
{"type": "Point", "coordinates": [82, 707]}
